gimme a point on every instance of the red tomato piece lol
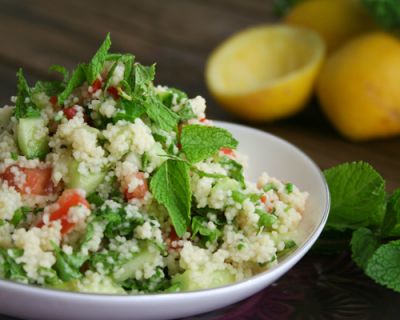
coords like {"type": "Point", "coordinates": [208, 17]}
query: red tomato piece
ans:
{"type": "Point", "coordinates": [53, 100]}
{"type": "Point", "coordinates": [114, 92]}
{"type": "Point", "coordinates": [96, 85]}
{"type": "Point", "coordinates": [37, 180]}
{"type": "Point", "coordinates": [203, 120]}
{"type": "Point", "coordinates": [227, 151]}
{"type": "Point", "coordinates": [140, 191]}
{"type": "Point", "coordinates": [70, 112]}
{"type": "Point", "coordinates": [69, 198]}
{"type": "Point", "coordinates": [263, 199]}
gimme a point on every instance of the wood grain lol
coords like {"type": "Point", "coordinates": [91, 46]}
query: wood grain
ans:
{"type": "Point", "coordinates": [179, 35]}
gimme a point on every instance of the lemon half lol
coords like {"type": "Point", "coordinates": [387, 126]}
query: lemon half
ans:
{"type": "Point", "coordinates": [267, 72]}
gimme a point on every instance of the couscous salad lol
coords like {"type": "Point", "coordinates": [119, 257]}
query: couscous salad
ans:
{"type": "Point", "coordinates": [110, 184]}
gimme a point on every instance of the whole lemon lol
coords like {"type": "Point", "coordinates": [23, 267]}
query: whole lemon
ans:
{"type": "Point", "coordinates": [359, 87]}
{"type": "Point", "coordinates": [336, 21]}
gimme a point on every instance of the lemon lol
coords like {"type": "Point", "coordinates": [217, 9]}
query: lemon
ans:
{"type": "Point", "coordinates": [359, 87]}
{"type": "Point", "coordinates": [266, 72]}
{"type": "Point", "coordinates": [337, 21]}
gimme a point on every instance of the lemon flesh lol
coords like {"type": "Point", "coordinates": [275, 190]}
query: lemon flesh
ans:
{"type": "Point", "coordinates": [266, 72]}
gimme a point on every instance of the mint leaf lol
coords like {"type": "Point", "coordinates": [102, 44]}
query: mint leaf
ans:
{"type": "Point", "coordinates": [357, 196]}
{"type": "Point", "coordinates": [144, 76]}
{"type": "Point", "coordinates": [383, 266]}
{"type": "Point", "coordinates": [60, 69]}
{"type": "Point", "coordinates": [129, 110]}
{"type": "Point", "coordinates": [391, 223]}
{"type": "Point", "coordinates": [170, 186]}
{"type": "Point", "coordinates": [78, 77]}
{"type": "Point", "coordinates": [160, 114]}
{"type": "Point", "coordinates": [96, 64]}
{"type": "Point", "coordinates": [24, 107]}
{"type": "Point", "coordinates": [201, 142]}
{"type": "Point", "coordinates": [363, 245]}
{"type": "Point", "coordinates": [50, 88]}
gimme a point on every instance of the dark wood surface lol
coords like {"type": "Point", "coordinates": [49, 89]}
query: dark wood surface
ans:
{"type": "Point", "coordinates": [178, 35]}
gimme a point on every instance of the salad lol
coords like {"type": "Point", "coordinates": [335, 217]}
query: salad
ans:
{"type": "Point", "coordinates": [110, 184]}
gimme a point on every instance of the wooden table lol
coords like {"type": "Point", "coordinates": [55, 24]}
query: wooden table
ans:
{"type": "Point", "coordinates": [178, 35]}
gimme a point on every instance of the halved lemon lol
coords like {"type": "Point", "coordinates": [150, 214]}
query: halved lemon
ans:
{"type": "Point", "coordinates": [267, 72]}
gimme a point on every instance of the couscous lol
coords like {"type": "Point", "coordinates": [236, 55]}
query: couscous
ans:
{"type": "Point", "coordinates": [110, 184]}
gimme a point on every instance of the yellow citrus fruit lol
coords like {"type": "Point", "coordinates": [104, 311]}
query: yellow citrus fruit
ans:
{"type": "Point", "coordinates": [336, 21]}
{"type": "Point", "coordinates": [358, 87]}
{"type": "Point", "coordinates": [266, 72]}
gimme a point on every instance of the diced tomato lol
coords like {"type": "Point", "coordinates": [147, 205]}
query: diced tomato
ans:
{"type": "Point", "coordinates": [263, 199]}
{"type": "Point", "coordinates": [53, 100]}
{"type": "Point", "coordinates": [140, 191]}
{"type": "Point", "coordinates": [96, 85]}
{"type": "Point", "coordinates": [37, 180]}
{"type": "Point", "coordinates": [69, 198]}
{"type": "Point", "coordinates": [70, 112]}
{"type": "Point", "coordinates": [203, 120]}
{"type": "Point", "coordinates": [227, 151]}
{"type": "Point", "coordinates": [114, 92]}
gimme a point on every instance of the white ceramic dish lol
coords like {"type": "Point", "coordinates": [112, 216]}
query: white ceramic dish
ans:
{"type": "Point", "coordinates": [266, 153]}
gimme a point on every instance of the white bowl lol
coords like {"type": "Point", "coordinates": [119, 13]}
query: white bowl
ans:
{"type": "Point", "coordinates": [266, 153]}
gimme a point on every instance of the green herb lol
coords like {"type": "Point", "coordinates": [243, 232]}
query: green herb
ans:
{"type": "Point", "coordinates": [95, 199]}
{"type": "Point", "coordinates": [14, 156]}
{"type": "Point", "coordinates": [290, 245]}
{"type": "Point", "coordinates": [201, 142]}
{"type": "Point", "coordinates": [110, 74]}
{"type": "Point", "coordinates": [160, 114]}
{"type": "Point", "coordinates": [129, 110]}
{"type": "Point", "coordinates": [385, 12]}
{"type": "Point", "coordinates": [50, 88]}
{"type": "Point", "coordinates": [235, 170]}
{"type": "Point", "coordinates": [24, 107]}
{"type": "Point", "coordinates": [199, 226]}
{"type": "Point", "coordinates": [357, 196]}
{"type": "Point", "coordinates": [391, 222]}
{"type": "Point", "coordinates": [11, 269]}
{"type": "Point", "coordinates": [144, 76]}
{"type": "Point", "coordinates": [67, 265]}
{"type": "Point", "coordinates": [282, 7]}
{"type": "Point", "coordinates": [239, 197]}
{"type": "Point", "coordinates": [363, 245]}
{"type": "Point", "coordinates": [203, 174]}
{"type": "Point", "coordinates": [270, 186]}
{"type": "Point", "coordinates": [359, 201]}
{"type": "Point", "coordinates": [2, 222]}
{"type": "Point", "coordinates": [383, 266]}
{"type": "Point", "coordinates": [266, 219]}
{"type": "Point", "coordinates": [78, 77]}
{"type": "Point", "coordinates": [241, 246]}
{"type": "Point", "coordinates": [170, 187]}
{"type": "Point", "coordinates": [20, 215]}
{"type": "Point", "coordinates": [289, 188]}
{"type": "Point", "coordinates": [96, 64]}
{"type": "Point", "coordinates": [60, 69]}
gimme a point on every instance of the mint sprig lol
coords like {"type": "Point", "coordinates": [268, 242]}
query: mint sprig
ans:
{"type": "Point", "coordinates": [360, 203]}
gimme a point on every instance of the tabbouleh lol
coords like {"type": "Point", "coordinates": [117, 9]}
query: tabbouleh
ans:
{"type": "Point", "coordinates": [110, 184]}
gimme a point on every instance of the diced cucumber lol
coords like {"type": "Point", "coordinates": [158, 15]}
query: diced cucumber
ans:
{"type": "Point", "coordinates": [32, 137]}
{"type": "Point", "coordinates": [227, 184]}
{"type": "Point", "coordinates": [106, 285]}
{"type": "Point", "coordinates": [189, 280]}
{"type": "Point", "coordinates": [5, 115]}
{"type": "Point", "coordinates": [148, 254]}
{"type": "Point", "coordinates": [89, 182]}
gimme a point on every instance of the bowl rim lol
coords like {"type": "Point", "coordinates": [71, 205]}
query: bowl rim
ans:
{"type": "Point", "coordinates": [288, 260]}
